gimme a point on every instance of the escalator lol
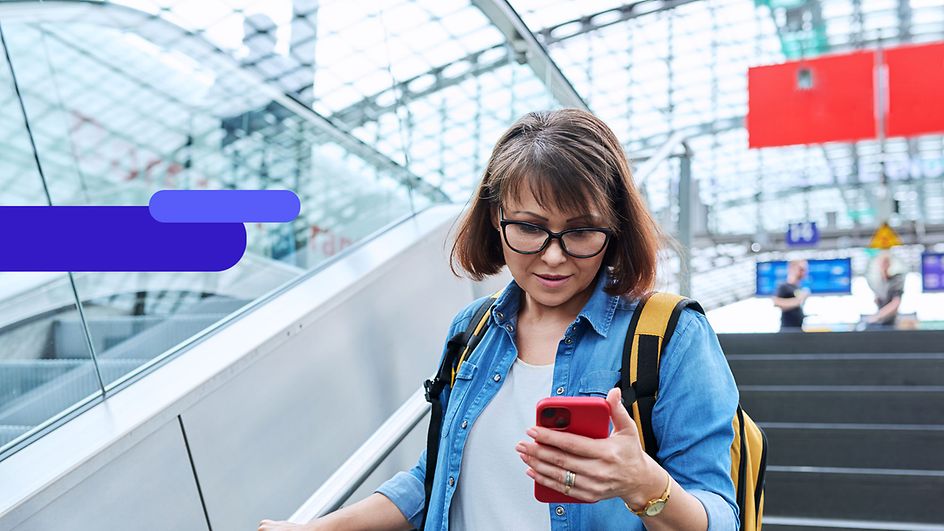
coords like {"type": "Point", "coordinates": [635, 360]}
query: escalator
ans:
{"type": "Point", "coordinates": [123, 395]}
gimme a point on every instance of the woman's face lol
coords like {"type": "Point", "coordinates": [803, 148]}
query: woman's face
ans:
{"type": "Point", "coordinates": [551, 278]}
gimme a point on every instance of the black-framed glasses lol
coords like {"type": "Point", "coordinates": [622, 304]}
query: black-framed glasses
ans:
{"type": "Point", "coordinates": [527, 238]}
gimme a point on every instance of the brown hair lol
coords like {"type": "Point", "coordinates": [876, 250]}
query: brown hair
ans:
{"type": "Point", "coordinates": [568, 159]}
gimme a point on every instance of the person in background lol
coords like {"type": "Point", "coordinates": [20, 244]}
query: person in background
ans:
{"type": "Point", "coordinates": [889, 286]}
{"type": "Point", "coordinates": [790, 296]}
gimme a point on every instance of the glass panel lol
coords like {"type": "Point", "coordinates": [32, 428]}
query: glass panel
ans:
{"type": "Point", "coordinates": [136, 116]}
{"type": "Point", "coordinates": [45, 366]}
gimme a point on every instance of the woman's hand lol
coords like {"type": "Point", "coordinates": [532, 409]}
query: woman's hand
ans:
{"type": "Point", "coordinates": [606, 468]}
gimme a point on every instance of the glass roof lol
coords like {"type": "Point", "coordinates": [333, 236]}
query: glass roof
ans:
{"type": "Point", "coordinates": [423, 88]}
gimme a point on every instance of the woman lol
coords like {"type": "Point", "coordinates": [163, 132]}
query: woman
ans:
{"type": "Point", "coordinates": [558, 329]}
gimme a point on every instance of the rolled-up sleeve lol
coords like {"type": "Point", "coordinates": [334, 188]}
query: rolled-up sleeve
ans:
{"type": "Point", "coordinates": [406, 491]}
{"type": "Point", "coordinates": [693, 415]}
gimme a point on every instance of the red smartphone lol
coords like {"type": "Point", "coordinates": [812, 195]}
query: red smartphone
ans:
{"type": "Point", "coordinates": [582, 415]}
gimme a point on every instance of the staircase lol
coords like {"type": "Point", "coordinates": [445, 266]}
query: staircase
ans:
{"type": "Point", "coordinates": [855, 423]}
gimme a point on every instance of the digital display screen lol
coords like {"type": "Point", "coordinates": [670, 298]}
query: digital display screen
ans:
{"type": "Point", "coordinates": [833, 276]}
{"type": "Point", "coordinates": [932, 272]}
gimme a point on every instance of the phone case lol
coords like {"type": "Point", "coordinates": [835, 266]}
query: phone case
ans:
{"type": "Point", "coordinates": [588, 416]}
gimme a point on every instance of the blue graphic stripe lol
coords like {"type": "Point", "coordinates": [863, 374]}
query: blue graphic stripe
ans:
{"type": "Point", "coordinates": [224, 206]}
{"type": "Point", "coordinates": [113, 238]}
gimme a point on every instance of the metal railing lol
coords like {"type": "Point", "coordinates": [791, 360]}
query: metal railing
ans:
{"type": "Point", "coordinates": [351, 475]}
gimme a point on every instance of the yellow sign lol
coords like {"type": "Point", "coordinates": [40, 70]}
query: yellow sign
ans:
{"type": "Point", "coordinates": [884, 238]}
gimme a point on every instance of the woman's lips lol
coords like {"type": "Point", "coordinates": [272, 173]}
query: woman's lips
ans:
{"type": "Point", "coordinates": [552, 281]}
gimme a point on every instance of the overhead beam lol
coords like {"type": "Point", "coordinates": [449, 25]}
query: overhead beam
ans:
{"type": "Point", "coordinates": [530, 51]}
{"type": "Point", "coordinates": [487, 60]}
{"type": "Point", "coordinates": [608, 17]}
{"type": "Point", "coordinates": [829, 239]}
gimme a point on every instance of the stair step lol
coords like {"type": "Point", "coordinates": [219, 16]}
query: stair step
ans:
{"type": "Point", "coordinates": [856, 445]}
{"type": "Point", "coordinates": [855, 494]}
{"type": "Point", "coordinates": [837, 369]}
{"type": "Point", "coordinates": [845, 404]}
{"type": "Point", "coordinates": [786, 523]}
{"type": "Point", "coordinates": [837, 343]}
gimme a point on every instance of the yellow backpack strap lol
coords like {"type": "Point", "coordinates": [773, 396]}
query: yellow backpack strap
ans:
{"type": "Point", "coordinates": [651, 327]}
{"type": "Point", "coordinates": [473, 334]}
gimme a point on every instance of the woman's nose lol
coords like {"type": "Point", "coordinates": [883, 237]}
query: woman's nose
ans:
{"type": "Point", "coordinates": [554, 254]}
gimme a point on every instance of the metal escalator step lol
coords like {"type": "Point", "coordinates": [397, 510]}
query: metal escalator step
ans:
{"type": "Point", "coordinates": [41, 402]}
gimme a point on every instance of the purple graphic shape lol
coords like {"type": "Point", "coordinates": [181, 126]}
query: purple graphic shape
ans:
{"type": "Point", "coordinates": [224, 206]}
{"type": "Point", "coordinates": [113, 238]}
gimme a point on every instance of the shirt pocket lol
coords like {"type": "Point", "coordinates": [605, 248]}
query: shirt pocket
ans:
{"type": "Point", "coordinates": [459, 389]}
{"type": "Point", "coordinates": [597, 383]}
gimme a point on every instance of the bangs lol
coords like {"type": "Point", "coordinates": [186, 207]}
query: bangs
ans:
{"type": "Point", "coordinates": [557, 179]}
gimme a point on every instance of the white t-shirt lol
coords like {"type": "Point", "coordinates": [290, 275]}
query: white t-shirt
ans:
{"type": "Point", "coordinates": [493, 491]}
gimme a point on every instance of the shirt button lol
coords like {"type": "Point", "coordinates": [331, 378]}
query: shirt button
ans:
{"type": "Point", "coordinates": [465, 424]}
{"type": "Point", "coordinates": [499, 316]}
{"type": "Point", "coordinates": [497, 377]}
{"type": "Point", "coordinates": [452, 481]}
{"type": "Point", "coordinates": [559, 510]}
{"type": "Point", "coordinates": [560, 390]}
{"type": "Point", "coordinates": [509, 327]}
{"type": "Point", "coordinates": [569, 340]}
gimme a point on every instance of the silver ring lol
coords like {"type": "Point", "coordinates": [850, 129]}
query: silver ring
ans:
{"type": "Point", "coordinates": [569, 479]}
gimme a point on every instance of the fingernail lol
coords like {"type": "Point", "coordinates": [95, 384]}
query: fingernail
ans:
{"type": "Point", "coordinates": [520, 447]}
{"type": "Point", "coordinates": [529, 472]}
{"type": "Point", "coordinates": [532, 432]}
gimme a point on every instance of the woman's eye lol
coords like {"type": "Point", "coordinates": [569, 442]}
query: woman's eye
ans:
{"type": "Point", "coordinates": [528, 229]}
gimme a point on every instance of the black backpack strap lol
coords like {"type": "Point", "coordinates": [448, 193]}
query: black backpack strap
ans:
{"type": "Point", "coordinates": [626, 384]}
{"type": "Point", "coordinates": [457, 350]}
{"type": "Point", "coordinates": [639, 380]}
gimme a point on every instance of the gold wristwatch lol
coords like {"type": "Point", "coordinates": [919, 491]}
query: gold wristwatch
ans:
{"type": "Point", "coordinates": [654, 507]}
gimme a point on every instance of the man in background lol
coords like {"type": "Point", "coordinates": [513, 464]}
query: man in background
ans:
{"type": "Point", "coordinates": [790, 296]}
{"type": "Point", "coordinates": [888, 286]}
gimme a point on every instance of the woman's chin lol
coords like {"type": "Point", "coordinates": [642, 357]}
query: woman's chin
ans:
{"type": "Point", "coordinates": [549, 298]}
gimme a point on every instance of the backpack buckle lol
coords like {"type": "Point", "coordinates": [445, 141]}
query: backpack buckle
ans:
{"type": "Point", "coordinates": [428, 386]}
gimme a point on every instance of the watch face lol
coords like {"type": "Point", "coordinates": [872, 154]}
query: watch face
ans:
{"type": "Point", "coordinates": [655, 508]}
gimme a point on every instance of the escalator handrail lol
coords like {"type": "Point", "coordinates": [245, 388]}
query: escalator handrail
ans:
{"type": "Point", "coordinates": [351, 475]}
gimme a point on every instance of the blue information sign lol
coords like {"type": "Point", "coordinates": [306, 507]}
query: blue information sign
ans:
{"type": "Point", "coordinates": [832, 276]}
{"type": "Point", "coordinates": [932, 272]}
{"type": "Point", "coordinates": [803, 234]}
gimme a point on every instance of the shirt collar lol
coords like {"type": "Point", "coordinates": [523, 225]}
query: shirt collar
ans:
{"type": "Point", "coordinates": [598, 311]}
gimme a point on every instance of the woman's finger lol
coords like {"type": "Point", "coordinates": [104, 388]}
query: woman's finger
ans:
{"type": "Point", "coordinates": [555, 484]}
{"type": "Point", "coordinates": [557, 472]}
{"type": "Point", "coordinates": [569, 442]}
{"type": "Point", "coordinates": [622, 421]}
{"type": "Point", "coordinates": [556, 457]}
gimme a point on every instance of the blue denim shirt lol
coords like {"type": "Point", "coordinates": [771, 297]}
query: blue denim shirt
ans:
{"type": "Point", "coordinates": [691, 419]}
